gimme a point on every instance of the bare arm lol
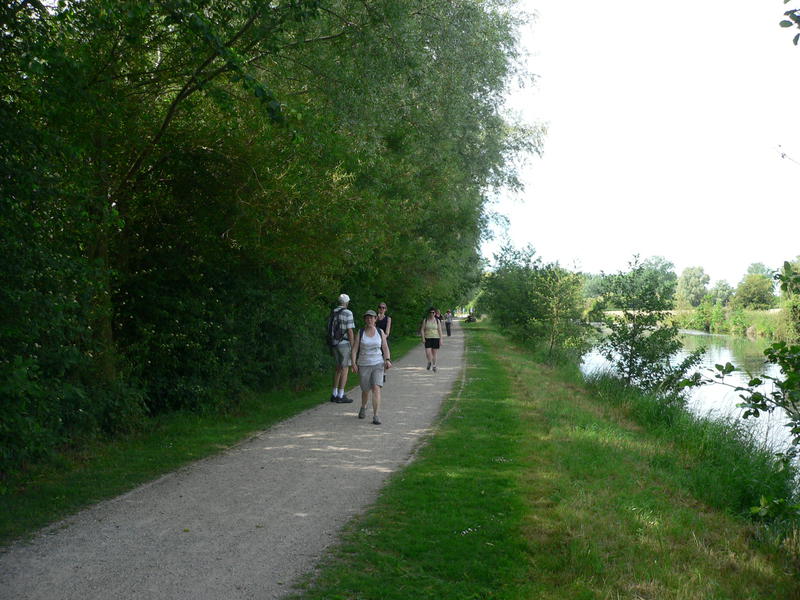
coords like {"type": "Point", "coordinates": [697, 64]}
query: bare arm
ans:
{"type": "Point", "coordinates": [388, 326]}
{"type": "Point", "coordinates": [387, 357]}
{"type": "Point", "coordinates": [354, 350]}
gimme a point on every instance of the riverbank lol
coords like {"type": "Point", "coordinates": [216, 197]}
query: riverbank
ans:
{"type": "Point", "coordinates": [773, 324]}
{"type": "Point", "coordinates": [537, 487]}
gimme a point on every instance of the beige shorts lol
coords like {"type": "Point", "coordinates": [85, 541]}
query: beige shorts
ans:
{"type": "Point", "coordinates": [341, 354]}
{"type": "Point", "coordinates": [370, 376]}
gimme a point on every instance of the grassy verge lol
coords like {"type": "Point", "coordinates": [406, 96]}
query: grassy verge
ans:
{"type": "Point", "coordinates": [47, 492]}
{"type": "Point", "coordinates": [534, 487]}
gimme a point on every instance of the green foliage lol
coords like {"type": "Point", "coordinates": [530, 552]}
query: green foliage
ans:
{"type": "Point", "coordinates": [592, 285]}
{"type": "Point", "coordinates": [755, 291]}
{"type": "Point", "coordinates": [641, 344]}
{"type": "Point", "coordinates": [721, 293]}
{"type": "Point", "coordinates": [785, 389]}
{"type": "Point", "coordinates": [792, 20]}
{"type": "Point", "coordinates": [691, 288]}
{"type": "Point", "coordinates": [662, 273]}
{"type": "Point", "coordinates": [708, 316]}
{"type": "Point", "coordinates": [187, 185]}
{"type": "Point", "coordinates": [759, 269]}
{"type": "Point", "coordinates": [540, 303]}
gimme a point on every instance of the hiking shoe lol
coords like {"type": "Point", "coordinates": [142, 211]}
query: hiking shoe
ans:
{"type": "Point", "coordinates": [376, 420]}
{"type": "Point", "coordinates": [362, 412]}
{"type": "Point", "coordinates": [334, 398]}
{"type": "Point", "coordinates": [344, 400]}
{"type": "Point", "coordinates": [429, 366]}
{"type": "Point", "coordinates": [434, 368]}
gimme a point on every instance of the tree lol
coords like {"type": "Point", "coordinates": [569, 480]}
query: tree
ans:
{"type": "Point", "coordinates": [642, 345]}
{"type": "Point", "coordinates": [592, 285]}
{"type": "Point", "coordinates": [559, 321]}
{"type": "Point", "coordinates": [185, 177]}
{"type": "Point", "coordinates": [664, 274]}
{"type": "Point", "coordinates": [540, 303]}
{"type": "Point", "coordinates": [721, 292]}
{"type": "Point", "coordinates": [754, 292]}
{"type": "Point", "coordinates": [759, 269]}
{"type": "Point", "coordinates": [691, 287]}
{"type": "Point", "coordinates": [507, 289]}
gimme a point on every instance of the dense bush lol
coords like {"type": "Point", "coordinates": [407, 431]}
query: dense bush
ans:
{"type": "Point", "coordinates": [187, 187]}
{"type": "Point", "coordinates": [541, 304]}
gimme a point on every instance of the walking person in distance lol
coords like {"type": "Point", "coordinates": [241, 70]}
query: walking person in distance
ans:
{"type": "Point", "coordinates": [370, 356]}
{"type": "Point", "coordinates": [431, 332]}
{"type": "Point", "coordinates": [448, 321]}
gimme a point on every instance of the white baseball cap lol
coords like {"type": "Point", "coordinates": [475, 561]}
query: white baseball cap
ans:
{"type": "Point", "coordinates": [344, 299]}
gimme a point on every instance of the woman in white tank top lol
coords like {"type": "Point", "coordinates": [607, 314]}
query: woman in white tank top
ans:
{"type": "Point", "coordinates": [370, 356]}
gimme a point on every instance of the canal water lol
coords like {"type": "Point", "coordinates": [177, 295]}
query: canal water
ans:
{"type": "Point", "coordinates": [719, 401]}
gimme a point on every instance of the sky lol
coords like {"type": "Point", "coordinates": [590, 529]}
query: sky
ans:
{"type": "Point", "coordinates": [664, 123]}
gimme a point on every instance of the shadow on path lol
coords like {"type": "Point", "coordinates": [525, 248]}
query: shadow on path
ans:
{"type": "Point", "coordinates": [245, 523]}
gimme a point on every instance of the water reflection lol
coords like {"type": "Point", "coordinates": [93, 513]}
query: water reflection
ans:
{"type": "Point", "coordinates": [718, 400]}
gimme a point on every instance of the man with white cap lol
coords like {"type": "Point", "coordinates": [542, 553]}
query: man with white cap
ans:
{"type": "Point", "coordinates": [341, 344]}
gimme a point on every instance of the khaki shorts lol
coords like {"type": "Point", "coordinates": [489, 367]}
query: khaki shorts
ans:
{"type": "Point", "coordinates": [341, 354]}
{"type": "Point", "coordinates": [370, 376]}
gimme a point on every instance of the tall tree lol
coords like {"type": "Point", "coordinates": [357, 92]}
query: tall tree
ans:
{"type": "Point", "coordinates": [197, 173]}
{"type": "Point", "coordinates": [755, 291]}
{"type": "Point", "coordinates": [691, 287]}
{"type": "Point", "coordinates": [721, 292]}
{"type": "Point", "coordinates": [759, 269]}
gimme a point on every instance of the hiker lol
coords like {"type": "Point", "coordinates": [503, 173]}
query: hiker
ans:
{"type": "Point", "coordinates": [340, 333]}
{"type": "Point", "coordinates": [448, 321]}
{"type": "Point", "coordinates": [383, 321]}
{"type": "Point", "coordinates": [370, 356]}
{"type": "Point", "coordinates": [431, 332]}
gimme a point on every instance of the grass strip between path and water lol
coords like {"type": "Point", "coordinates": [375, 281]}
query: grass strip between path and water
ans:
{"type": "Point", "coordinates": [533, 487]}
{"type": "Point", "coordinates": [79, 477]}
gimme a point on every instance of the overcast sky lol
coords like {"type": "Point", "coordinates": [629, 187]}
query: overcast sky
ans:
{"type": "Point", "coordinates": [664, 122]}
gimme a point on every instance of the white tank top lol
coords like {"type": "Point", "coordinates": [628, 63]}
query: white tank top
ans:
{"type": "Point", "coordinates": [369, 350]}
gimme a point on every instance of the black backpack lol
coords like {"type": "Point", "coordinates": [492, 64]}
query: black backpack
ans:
{"type": "Point", "coordinates": [335, 332]}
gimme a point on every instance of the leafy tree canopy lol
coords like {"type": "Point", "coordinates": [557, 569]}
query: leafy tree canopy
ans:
{"type": "Point", "coordinates": [755, 291]}
{"type": "Point", "coordinates": [691, 287]}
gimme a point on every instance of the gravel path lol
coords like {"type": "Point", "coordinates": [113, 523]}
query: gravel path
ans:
{"type": "Point", "coordinates": [245, 523]}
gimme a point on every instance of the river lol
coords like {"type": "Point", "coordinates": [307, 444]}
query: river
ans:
{"type": "Point", "coordinates": [716, 400]}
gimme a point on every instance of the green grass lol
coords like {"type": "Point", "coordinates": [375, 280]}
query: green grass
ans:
{"type": "Point", "coordinates": [731, 469]}
{"type": "Point", "coordinates": [534, 487]}
{"type": "Point", "coordinates": [449, 526]}
{"type": "Point", "coordinates": [46, 492]}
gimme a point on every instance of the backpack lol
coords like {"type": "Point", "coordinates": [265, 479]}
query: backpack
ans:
{"type": "Point", "coordinates": [335, 333]}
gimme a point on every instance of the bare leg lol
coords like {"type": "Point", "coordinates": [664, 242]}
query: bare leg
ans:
{"type": "Point", "coordinates": [364, 398]}
{"type": "Point", "coordinates": [341, 377]}
{"type": "Point", "coordinates": [376, 399]}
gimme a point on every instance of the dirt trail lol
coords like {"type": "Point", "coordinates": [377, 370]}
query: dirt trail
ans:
{"type": "Point", "coordinates": [248, 522]}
